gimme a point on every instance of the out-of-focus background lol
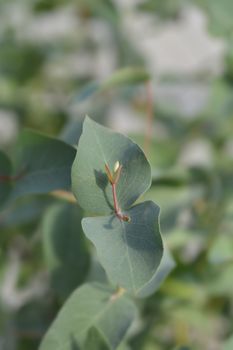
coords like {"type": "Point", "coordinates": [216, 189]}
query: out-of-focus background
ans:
{"type": "Point", "coordinates": [53, 55]}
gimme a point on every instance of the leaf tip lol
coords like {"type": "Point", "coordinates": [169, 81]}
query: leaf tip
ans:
{"type": "Point", "coordinates": [87, 119]}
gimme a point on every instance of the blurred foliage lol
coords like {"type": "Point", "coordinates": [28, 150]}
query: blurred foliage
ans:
{"type": "Point", "coordinates": [54, 58]}
{"type": "Point", "coordinates": [166, 10]}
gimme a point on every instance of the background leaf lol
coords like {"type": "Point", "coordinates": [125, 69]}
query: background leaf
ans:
{"type": "Point", "coordinates": [24, 211]}
{"type": "Point", "coordinates": [90, 306]}
{"type": "Point", "coordinates": [42, 164]}
{"type": "Point", "coordinates": [72, 132]}
{"type": "Point", "coordinates": [64, 247]}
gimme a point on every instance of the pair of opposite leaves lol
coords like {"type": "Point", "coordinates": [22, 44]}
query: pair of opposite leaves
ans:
{"type": "Point", "coordinates": [130, 252]}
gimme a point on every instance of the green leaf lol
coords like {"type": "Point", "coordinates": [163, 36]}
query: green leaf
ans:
{"type": "Point", "coordinates": [5, 172]}
{"type": "Point", "coordinates": [43, 164]}
{"type": "Point", "coordinates": [90, 306]}
{"type": "Point", "coordinates": [24, 211]}
{"type": "Point", "coordinates": [130, 252]}
{"type": "Point", "coordinates": [65, 248]}
{"type": "Point", "coordinates": [99, 146]}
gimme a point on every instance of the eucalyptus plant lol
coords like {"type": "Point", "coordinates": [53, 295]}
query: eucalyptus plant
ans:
{"type": "Point", "coordinates": [109, 173]}
{"type": "Point", "coordinates": [83, 264]}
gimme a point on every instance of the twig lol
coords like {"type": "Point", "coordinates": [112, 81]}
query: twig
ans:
{"type": "Point", "coordinates": [9, 178]}
{"type": "Point", "coordinates": [65, 195]}
{"type": "Point", "coordinates": [113, 179]}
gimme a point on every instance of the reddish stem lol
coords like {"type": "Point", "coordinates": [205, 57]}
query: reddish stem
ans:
{"type": "Point", "coordinates": [115, 201]}
{"type": "Point", "coordinates": [11, 178]}
{"type": "Point", "coordinates": [113, 181]}
{"type": "Point", "coordinates": [5, 178]}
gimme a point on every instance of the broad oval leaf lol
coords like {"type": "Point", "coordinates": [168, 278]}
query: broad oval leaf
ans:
{"type": "Point", "coordinates": [91, 305]}
{"type": "Point", "coordinates": [130, 252]}
{"type": "Point", "coordinates": [25, 211]}
{"type": "Point", "coordinates": [43, 164]}
{"type": "Point", "coordinates": [99, 146]}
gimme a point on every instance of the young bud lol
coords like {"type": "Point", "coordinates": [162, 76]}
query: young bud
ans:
{"type": "Point", "coordinates": [116, 166]}
{"type": "Point", "coordinates": [109, 174]}
{"type": "Point", "coordinates": [117, 172]}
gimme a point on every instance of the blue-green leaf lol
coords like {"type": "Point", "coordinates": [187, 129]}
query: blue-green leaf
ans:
{"type": "Point", "coordinates": [43, 164]}
{"type": "Point", "coordinates": [90, 306]}
{"type": "Point", "coordinates": [65, 248]}
{"type": "Point", "coordinates": [130, 252]}
{"type": "Point", "coordinates": [99, 146]}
